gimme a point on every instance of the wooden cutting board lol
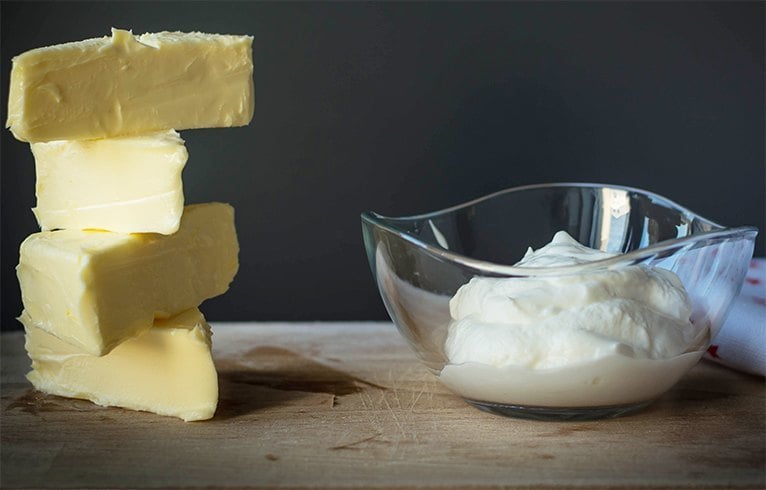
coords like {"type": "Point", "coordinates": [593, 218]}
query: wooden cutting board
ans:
{"type": "Point", "coordinates": [348, 405]}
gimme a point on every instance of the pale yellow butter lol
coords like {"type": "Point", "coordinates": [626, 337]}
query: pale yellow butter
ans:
{"type": "Point", "coordinates": [95, 289]}
{"type": "Point", "coordinates": [166, 370]}
{"type": "Point", "coordinates": [128, 184]}
{"type": "Point", "coordinates": [128, 84]}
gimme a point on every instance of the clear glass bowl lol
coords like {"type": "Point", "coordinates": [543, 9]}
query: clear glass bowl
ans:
{"type": "Point", "coordinates": [420, 262]}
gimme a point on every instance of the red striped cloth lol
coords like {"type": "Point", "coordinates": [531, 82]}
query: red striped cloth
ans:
{"type": "Point", "coordinates": [741, 343]}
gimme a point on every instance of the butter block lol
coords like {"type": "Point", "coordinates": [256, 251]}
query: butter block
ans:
{"type": "Point", "coordinates": [126, 84]}
{"type": "Point", "coordinates": [129, 184]}
{"type": "Point", "coordinates": [96, 289]}
{"type": "Point", "coordinates": [166, 370]}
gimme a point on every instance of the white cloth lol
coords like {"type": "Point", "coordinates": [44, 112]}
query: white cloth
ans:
{"type": "Point", "coordinates": [741, 343]}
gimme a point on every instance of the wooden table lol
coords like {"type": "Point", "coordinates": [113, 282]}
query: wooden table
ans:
{"type": "Point", "coordinates": [347, 405]}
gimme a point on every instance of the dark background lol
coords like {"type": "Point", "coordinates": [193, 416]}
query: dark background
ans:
{"type": "Point", "coordinates": [403, 108]}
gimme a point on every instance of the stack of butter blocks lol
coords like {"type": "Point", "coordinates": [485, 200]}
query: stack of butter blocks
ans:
{"type": "Point", "coordinates": [111, 284]}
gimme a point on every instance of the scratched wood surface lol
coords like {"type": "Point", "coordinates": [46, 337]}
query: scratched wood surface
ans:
{"type": "Point", "coordinates": [347, 405]}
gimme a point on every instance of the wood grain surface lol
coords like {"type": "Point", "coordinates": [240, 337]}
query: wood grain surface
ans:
{"type": "Point", "coordinates": [348, 405]}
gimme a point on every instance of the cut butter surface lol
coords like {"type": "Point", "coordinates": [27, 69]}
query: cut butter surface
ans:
{"type": "Point", "coordinates": [96, 289]}
{"type": "Point", "coordinates": [128, 184]}
{"type": "Point", "coordinates": [126, 84]}
{"type": "Point", "coordinates": [166, 370]}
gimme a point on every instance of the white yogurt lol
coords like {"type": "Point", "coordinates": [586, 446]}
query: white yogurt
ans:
{"type": "Point", "coordinates": [599, 338]}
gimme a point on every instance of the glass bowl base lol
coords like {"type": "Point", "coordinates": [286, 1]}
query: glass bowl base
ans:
{"type": "Point", "coordinates": [558, 414]}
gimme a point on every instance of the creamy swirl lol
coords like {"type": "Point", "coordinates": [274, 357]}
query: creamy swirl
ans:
{"type": "Point", "coordinates": [544, 322]}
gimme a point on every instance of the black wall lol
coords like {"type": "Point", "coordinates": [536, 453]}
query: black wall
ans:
{"type": "Point", "coordinates": [404, 108]}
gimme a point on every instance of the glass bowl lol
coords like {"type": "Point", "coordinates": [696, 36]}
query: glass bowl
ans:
{"type": "Point", "coordinates": [420, 262]}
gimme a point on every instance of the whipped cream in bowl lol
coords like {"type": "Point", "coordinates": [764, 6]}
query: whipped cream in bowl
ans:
{"type": "Point", "coordinates": [608, 338]}
{"type": "Point", "coordinates": [622, 293]}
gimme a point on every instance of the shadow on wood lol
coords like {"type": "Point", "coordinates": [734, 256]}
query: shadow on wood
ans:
{"type": "Point", "coordinates": [268, 376]}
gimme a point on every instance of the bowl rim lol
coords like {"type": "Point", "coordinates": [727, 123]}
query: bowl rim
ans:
{"type": "Point", "coordinates": [666, 247]}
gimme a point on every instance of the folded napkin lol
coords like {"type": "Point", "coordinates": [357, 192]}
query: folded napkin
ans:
{"type": "Point", "coordinates": [741, 343]}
